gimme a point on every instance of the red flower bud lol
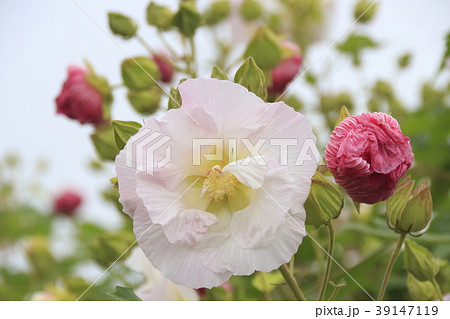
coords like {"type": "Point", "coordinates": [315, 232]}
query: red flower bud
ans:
{"type": "Point", "coordinates": [367, 155]}
{"type": "Point", "coordinates": [67, 203]}
{"type": "Point", "coordinates": [287, 69]}
{"type": "Point", "coordinates": [78, 99]}
{"type": "Point", "coordinates": [165, 69]}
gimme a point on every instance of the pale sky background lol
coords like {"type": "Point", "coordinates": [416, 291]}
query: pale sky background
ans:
{"type": "Point", "coordinates": [41, 38]}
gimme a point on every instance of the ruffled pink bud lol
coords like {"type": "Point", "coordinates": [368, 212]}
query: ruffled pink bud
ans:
{"type": "Point", "coordinates": [367, 155]}
{"type": "Point", "coordinates": [78, 99]}
{"type": "Point", "coordinates": [67, 203]}
{"type": "Point", "coordinates": [165, 69]}
{"type": "Point", "coordinates": [287, 69]}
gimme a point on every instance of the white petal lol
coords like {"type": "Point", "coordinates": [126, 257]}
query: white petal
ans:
{"type": "Point", "coordinates": [282, 122]}
{"type": "Point", "coordinates": [167, 208]}
{"type": "Point", "coordinates": [127, 184]}
{"type": "Point", "coordinates": [232, 106]}
{"type": "Point", "coordinates": [161, 204]}
{"type": "Point", "coordinates": [259, 222]}
{"type": "Point", "coordinates": [177, 262]}
{"type": "Point", "coordinates": [188, 226]}
{"type": "Point", "coordinates": [250, 174]}
{"type": "Point", "coordinates": [219, 252]}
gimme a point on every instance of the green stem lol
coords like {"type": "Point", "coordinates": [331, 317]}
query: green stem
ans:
{"type": "Point", "coordinates": [438, 289]}
{"type": "Point", "coordinates": [265, 287]}
{"type": "Point", "coordinates": [326, 276]}
{"type": "Point", "coordinates": [392, 260]}
{"type": "Point", "coordinates": [335, 292]}
{"type": "Point", "coordinates": [162, 57]}
{"type": "Point", "coordinates": [167, 45]}
{"type": "Point", "coordinates": [144, 44]}
{"type": "Point", "coordinates": [191, 59]}
{"type": "Point", "coordinates": [292, 283]}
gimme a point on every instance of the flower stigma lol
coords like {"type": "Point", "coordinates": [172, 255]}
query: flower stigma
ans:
{"type": "Point", "coordinates": [219, 184]}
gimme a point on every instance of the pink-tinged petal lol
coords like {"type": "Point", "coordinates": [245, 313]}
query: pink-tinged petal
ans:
{"type": "Point", "coordinates": [178, 262]}
{"type": "Point", "coordinates": [220, 253]}
{"type": "Point", "coordinates": [162, 205]}
{"type": "Point", "coordinates": [284, 125]}
{"type": "Point", "coordinates": [188, 226]}
{"type": "Point", "coordinates": [167, 208]}
{"type": "Point", "coordinates": [232, 106]}
{"type": "Point", "coordinates": [259, 222]}
{"type": "Point", "coordinates": [126, 176]}
{"type": "Point", "coordinates": [249, 172]}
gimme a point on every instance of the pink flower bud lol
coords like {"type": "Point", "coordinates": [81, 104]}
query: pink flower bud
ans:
{"type": "Point", "coordinates": [287, 69]}
{"type": "Point", "coordinates": [78, 99]}
{"type": "Point", "coordinates": [367, 155]}
{"type": "Point", "coordinates": [67, 203]}
{"type": "Point", "coordinates": [165, 69]}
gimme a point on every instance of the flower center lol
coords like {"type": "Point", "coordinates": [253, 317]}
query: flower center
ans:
{"type": "Point", "coordinates": [219, 184]}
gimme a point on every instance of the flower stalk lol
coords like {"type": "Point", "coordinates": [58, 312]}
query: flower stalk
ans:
{"type": "Point", "coordinates": [392, 260]}
{"type": "Point", "coordinates": [292, 283]}
{"type": "Point", "coordinates": [326, 277]}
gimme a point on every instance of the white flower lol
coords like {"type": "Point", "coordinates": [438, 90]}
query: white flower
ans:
{"type": "Point", "coordinates": [200, 220]}
{"type": "Point", "coordinates": [156, 286]}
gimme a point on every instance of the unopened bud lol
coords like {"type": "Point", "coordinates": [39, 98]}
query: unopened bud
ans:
{"type": "Point", "coordinates": [145, 102]}
{"type": "Point", "coordinates": [139, 73]}
{"type": "Point", "coordinates": [420, 290]}
{"type": "Point", "coordinates": [159, 16]}
{"type": "Point", "coordinates": [217, 12]}
{"type": "Point", "coordinates": [407, 210]}
{"type": "Point", "coordinates": [122, 25]}
{"type": "Point", "coordinates": [251, 10]}
{"type": "Point", "coordinates": [252, 77]}
{"type": "Point", "coordinates": [324, 203]}
{"type": "Point", "coordinates": [420, 262]}
{"type": "Point", "coordinates": [264, 48]}
{"type": "Point", "coordinates": [364, 11]}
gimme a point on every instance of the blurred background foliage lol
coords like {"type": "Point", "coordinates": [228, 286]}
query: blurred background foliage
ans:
{"type": "Point", "coordinates": [31, 266]}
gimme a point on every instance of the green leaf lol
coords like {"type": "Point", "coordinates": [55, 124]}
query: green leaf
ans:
{"type": "Point", "coordinates": [123, 294]}
{"type": "Point", "coordinates": [123, 130]}
{"type": "Point", "coordinates": [175, 97]}
{"type": "Point", "coordinates": [354, 45]}
{"type": "Point", "coordinates": [187, 19]}
{"type": "Point", "coordinates": [264, 48]}
{"type": "Point", "coordinates": [217, 73]}
{"type": "Point", "coordinates": [342, 115]}
{"type": "Point", "coordinates": [404, 60]}
{"type": "Point", "coordinates": [122, 25]}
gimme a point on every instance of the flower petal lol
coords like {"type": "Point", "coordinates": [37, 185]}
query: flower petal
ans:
{"type": "Point", "coordinates": [177, 262]}
{"type": "Point", "coordinates": [250, 174]}
{"type": "Point", "coordinates": [259, 222]}
{"type": "Point", "coordinates": [220, 253]}
{"type": "Point", "coordinates": [232, 106]}
{"type": "Point", "coordinates": [284, 125]}
{"type": "Point", "coordinates": [167, 208]}
{"type": "Point", "coordinates": [126, 176]}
